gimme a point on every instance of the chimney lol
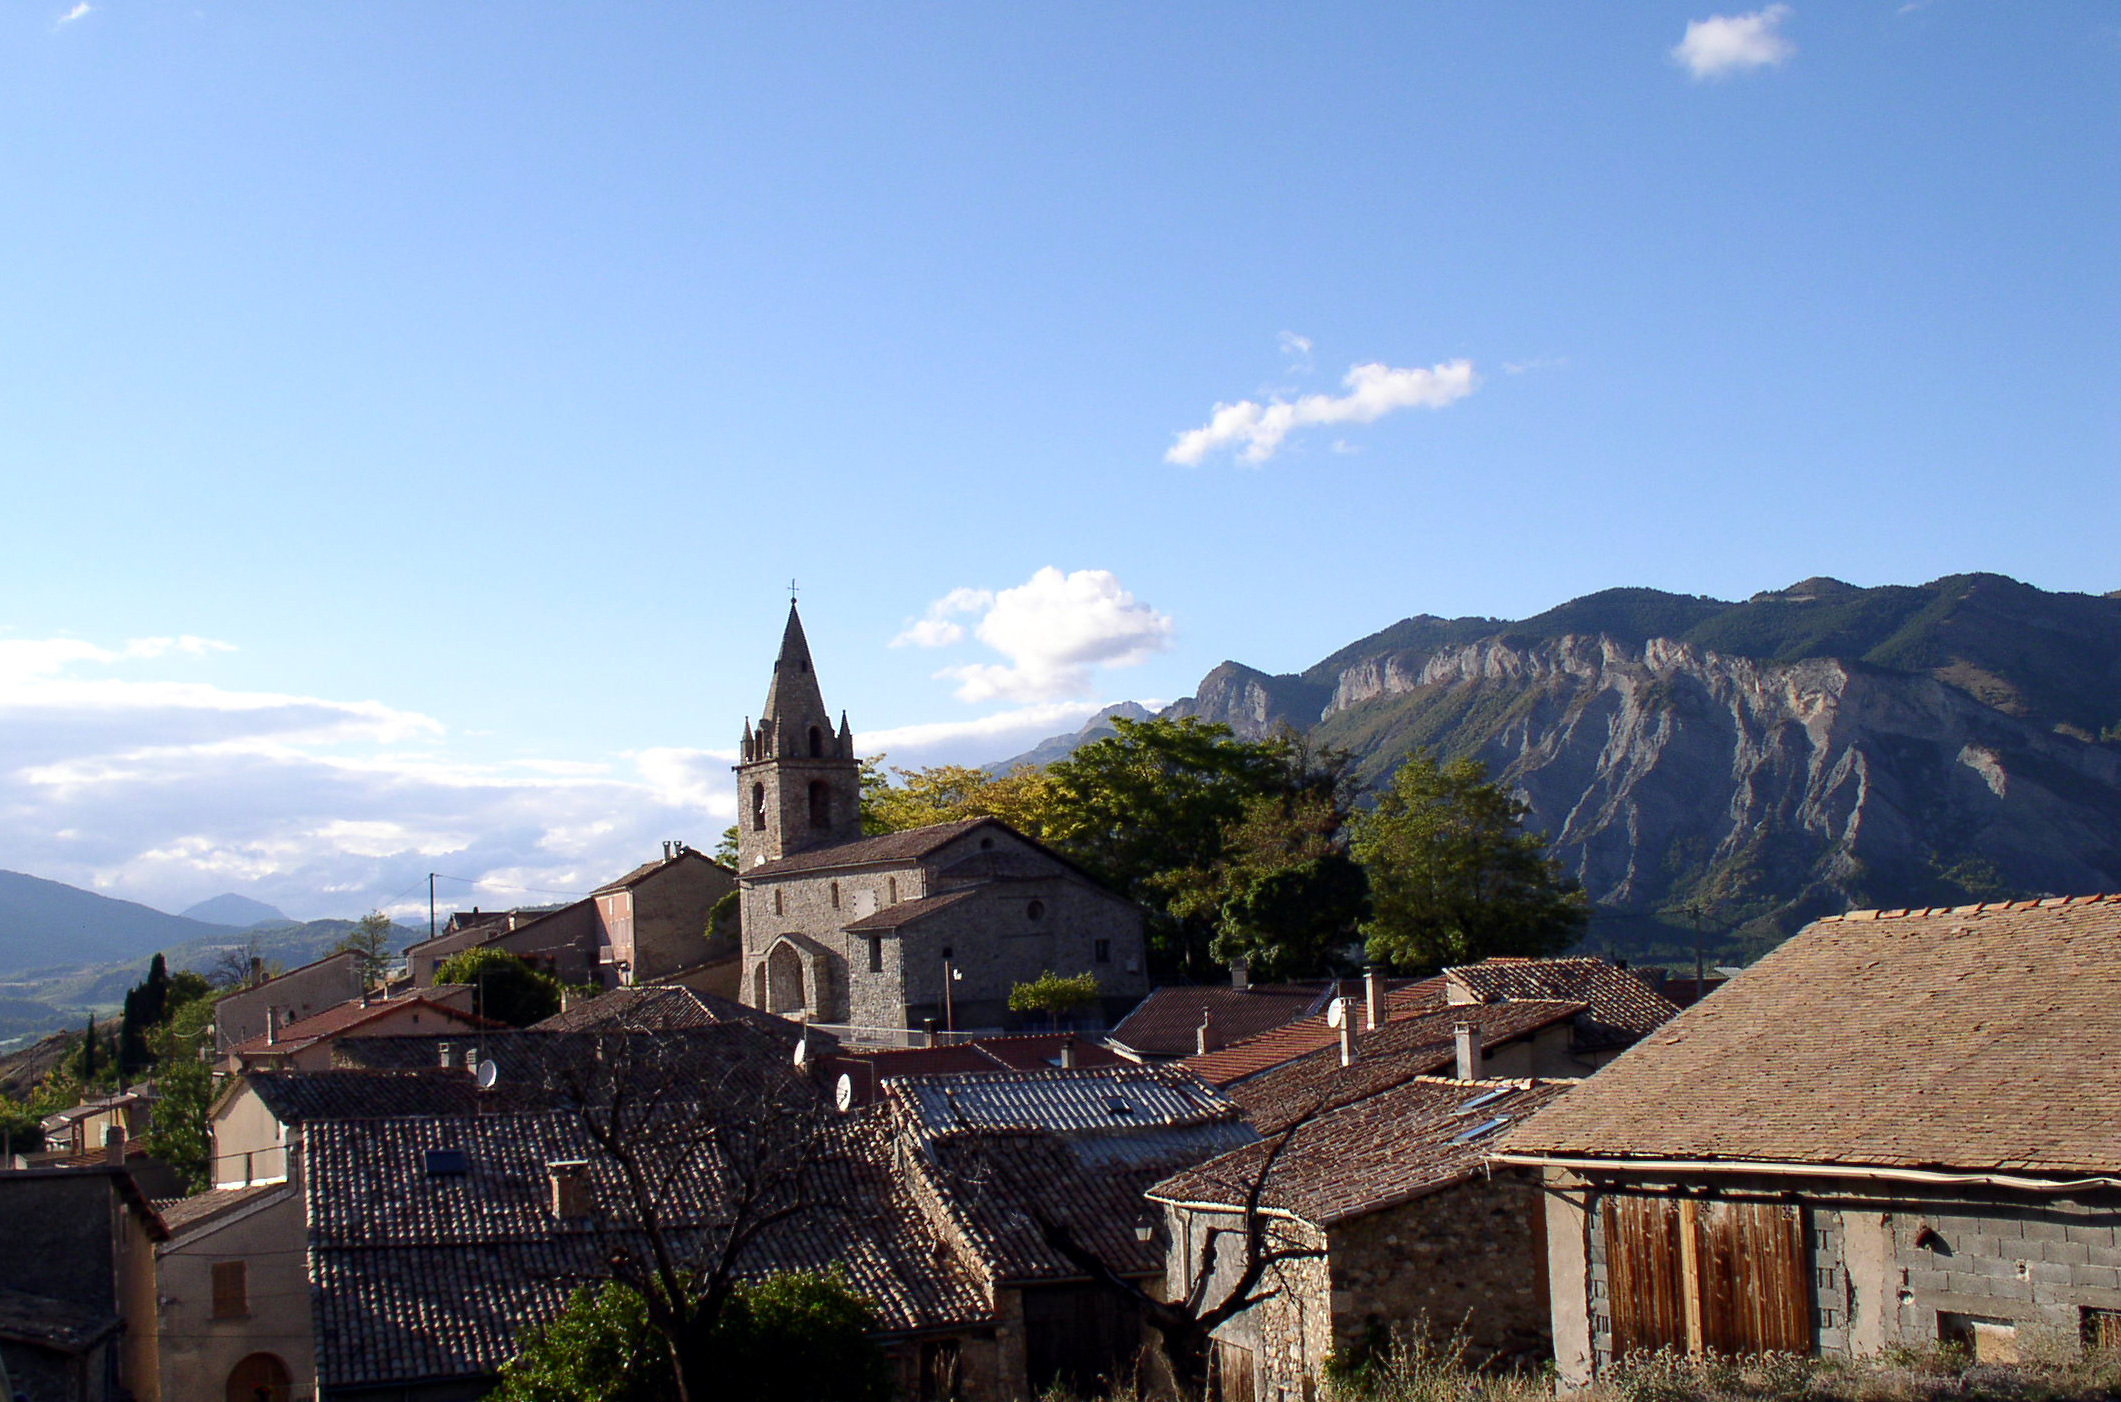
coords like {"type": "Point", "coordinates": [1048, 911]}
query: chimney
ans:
{"type": "Point", "coordinates": [449, 1055]}
{"type": "Point", "coordinates": [114, 1145]}
{"type": "Point", "coordinates": [928, 1031]}
{"type": "Point", "coordinates": [1240, 974]}
{"type": "Point", "coordinates": [1067, 1057]}
{"type": "Point", "coordinates": [1204, 1040]}
{"type": "Point", "coordinates": [570, 1188]}
{"type": "Point", "coordinates": [666, 851]}
{"type": "Point", "coordinates": [1465, 1038]}
{"type": "Point", "coordinates": [272, 1026]}
{"type": "Point", "coordinates": [257, 970]}
{"type": "Point", "coordinates": [1347, 1035]}
{"type": "Point", "coordinates": [1373, 993]}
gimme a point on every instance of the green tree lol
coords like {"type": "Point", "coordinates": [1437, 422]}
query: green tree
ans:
{"type": "Point", "coordinates": [146, 1005]}
{"type": "Point", "coordinates": [369, 940]}
{"type": "Point", "coordinates": [178, 1132]}
{"type": "Point", "coordinates": [949, 793]}
{"type": "Point", "coordinates": [1157, 799]}
{"type": "Point", "coordinates": [1454, 878]}
{"type": "Point", "coordinates": [21, 1130]}
{"type": "Point", "coordinates": [1285, 895]}
{"type": "Point", "coordinates": [1054, 994]}
{"type": "Point", "coordinates": [792, 1337]}
{"type": "Point", "coordinates": [503, 987]}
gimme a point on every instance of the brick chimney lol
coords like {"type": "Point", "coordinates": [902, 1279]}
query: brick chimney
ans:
{"type": "Point", "coordinates": [1204, 1039]}
{"type": "Point", "coordinates": [569, 1182]}
{"type": "Point", "coordinates": [1347, 1031]}
{"type": "Point", "coordinates": [1240, 974]}
{"type": "Point", "coordinates": [1373, 994]}
{"type": "Point", "coordinates": [272, 1026]}
{"type": "Point", "coordinates": [1067, 1055]}
{"type": "Point", "coordinates": [1465, 1040]}
{"type": "Point", "coordinates": [449, 1055]}
{"type": "Point", "coordinates": [114, 1145]}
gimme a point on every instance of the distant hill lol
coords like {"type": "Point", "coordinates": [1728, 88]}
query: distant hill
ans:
{"type": "Point", "coordinates": [232, 909]}
{"type": "Point", "coordinates": [1055, 747]}
{"type": "Point", "coordinates": [1807, 750]}
{"type": "Point", "coordinates": [43, 923]}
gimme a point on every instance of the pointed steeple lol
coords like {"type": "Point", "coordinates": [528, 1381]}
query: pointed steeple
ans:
{"type": "Point", "coordinates": [793, 702]}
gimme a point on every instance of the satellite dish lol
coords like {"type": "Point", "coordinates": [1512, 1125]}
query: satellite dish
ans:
{"type": "Point", "coordinates": [1338, 1013]}
{"type": "Point", "coordinates": [488, 1074]}
{"type": "Point", "coordinates": [802, 1050]}
{"type": "Point", "coordinates": [843, 1093]}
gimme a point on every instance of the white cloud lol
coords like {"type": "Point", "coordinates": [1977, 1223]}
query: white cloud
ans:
{"type": "Point", "coordinates": [987, 736]}
{"type": "Point", "coordinates": [1725, 44]}
{"type": "Point", "coordinates": [75, 13]}
{"type": "Point", "coordinates": [1297, 350]}
{"type": "Point", "coordinates": [168, 791]}
{"type": "Point", "coordinates": [1374, 390]}
{"type": "Point", "coordinates": [1053, 629]}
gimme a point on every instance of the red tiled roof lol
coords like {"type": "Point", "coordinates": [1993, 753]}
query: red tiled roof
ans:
{"type": "Point", "coordinates": [181, 1214]}
{"type": "Point", "coordinates": [1167, 1022]}
{"type": "Point", "coordinates": [1399, 1051]}
{"type": "Point", "coordinates": [345, 1017]}
{"type": "Point", "coordinates": [891, 917]}
{"type": "Point", "coordinates": [1270, 1049]}
{"type": "Point", "coordinates": [907, 845]}
{"type": "Point", "coordinates": [647, 869]}
{"type": "Point", "coordinates": [1038, 1051]}
{"type": "Point", "coordinates": [1622, 1008]}
{"type": "Point", "coordinates": [1383, 1150]}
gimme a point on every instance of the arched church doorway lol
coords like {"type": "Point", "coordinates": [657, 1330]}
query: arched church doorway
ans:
{"type": "Point", "coordinates": [784, 979]}
{"type": "Point", "coordinates": [261, 1377]}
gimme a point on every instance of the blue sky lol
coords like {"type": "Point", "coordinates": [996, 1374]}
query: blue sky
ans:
{"type": "Point", "coordinates": [411, 415]}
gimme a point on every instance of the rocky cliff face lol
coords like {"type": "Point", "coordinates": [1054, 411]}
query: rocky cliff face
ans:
{"type": "Point", "coordinates": [1666, 774]}
{"type": "Point", "coordinates": [1253, 703]}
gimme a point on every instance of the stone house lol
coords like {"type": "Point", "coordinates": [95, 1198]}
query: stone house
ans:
{"type": "Point", "coordinates": [892, 932]}
{"type": "Point", "coordinates": [1898, 1127]}
{"type": "Point", "coordinates": [1387, 1221]}
{"type": "Point", "coordinates": [1611, 1010]}
{"type": "Point", "coordinates": [289, 997]}
{"type": "Point", "coordinates": [993, 1157]}
{"type": "Point", "coordinates": [1184, 1020]}
{"type": "Point", "coordinates": [77, 1285]}
{"type": "Point", "coordinates": [560, 939]}
{"type": "Point", "coordinates": [85, 1128]}
{"type": "Point", "coordinates": [233, 1296]}
{"type": "Point", "coordinates": [307, 1045]}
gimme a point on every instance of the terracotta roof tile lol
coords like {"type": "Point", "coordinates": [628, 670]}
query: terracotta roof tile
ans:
{"type": "Point", "coordinates": [891, 917]}
{"type": "Point", "coordinates": [1977, 1037]}
{"type": "Point", "coordinates": [1256, 1054]}
{"type": "Point", "coordinates": [336, 1021]}
{"type": "Point", "coordinates": [182, 1214]}
{"type": "Point", "coordinates": [1167, 1022]}
{"type": "Point", "coordinates": [1385, 1149]}
{"type": "Point", "coordinates": [59, 1325]}
{"type": "Point", "coordinates": [910, 844]}
{"type": "Point", "coordinates": [1622, 1008]}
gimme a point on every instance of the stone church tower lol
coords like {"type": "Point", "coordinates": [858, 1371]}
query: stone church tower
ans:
{"type": "Point", "coordinates": [799, 784]}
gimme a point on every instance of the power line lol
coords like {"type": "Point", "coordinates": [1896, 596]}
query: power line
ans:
{"type": "Point", "coordinates": [504, 886]}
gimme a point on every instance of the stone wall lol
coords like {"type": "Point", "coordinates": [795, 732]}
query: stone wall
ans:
{"type": "Point", "coordinates": [670, 916]}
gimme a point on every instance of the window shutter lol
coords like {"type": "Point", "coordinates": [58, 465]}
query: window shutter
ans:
{"type": "Point", "coordinates": [231, 1293]}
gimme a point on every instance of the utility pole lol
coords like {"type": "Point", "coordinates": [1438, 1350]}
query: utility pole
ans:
{"type": "Point", "coordinates": [949, 1003]}
{"type": "Point", "coordinates": [430, 905]}
{"type": "Point", "coordinates": [1700, 966]}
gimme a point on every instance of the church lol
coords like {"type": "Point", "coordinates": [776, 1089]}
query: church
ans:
{"type": "Point", "coordinates": [896, 931]}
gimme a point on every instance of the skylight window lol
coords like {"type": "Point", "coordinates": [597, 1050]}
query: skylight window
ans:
{"type": "Point", "coordinates": [1485, 1098]}
{"type": "Point", "coordinates": [1481, 1130]}
{"type": "Point", "coordinates": [1119, 1107]}
{"type": "Point", "coordinates": [447, 1163]}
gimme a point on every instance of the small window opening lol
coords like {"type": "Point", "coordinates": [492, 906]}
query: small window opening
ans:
{"type": "Point", "coordinates": [1484, 1099]}
{"type": "Point", "coordinates": [231, 1290]}
{"type": "Point", "coordinates": [876, 954]}
{"type": "Point", "coordinates": [986, 844]}
{"type": "Point", "coordinates": [1119, 1109]}
{"type": "Point", "coordinates": [835, 895]}
{"type": "Point", "coordinates": [891, 889]}
{"type": "Point", "coordinates": [758, 807]}
{"type": "Point", "coordinates": [777, 901]}
{"type": "Point", "coordinates": [1101, 951]}
{"type": "Point", "coordinates": [1036, 910]}
{"type": "Point", "coordinates": [1481, 1130]}
{"type": "Point", "coordinates": [447, 1163]}
{"type": "Point", "coordinates": [817, 743]}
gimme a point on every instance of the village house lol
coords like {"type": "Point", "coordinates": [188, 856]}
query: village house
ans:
{"type": "Point", "coordinates": [995, 1157]}
{"type": "Point", "coordinates": [307, 1045]}
{"type": "Point", "coordinates": [1388, 1221]}
{"type": "Point", "coordinates": [77, 1285]}
{"type": "Point", "coordinates": [892, 933]}
{"type": "Point", "coordinates": [1613, 1009]}
{"type": "Point", "coordinates": [86, 1128]}
{"type": "Point", "coordinates": [284, 998]}
{"type": "Point", "coordinates": [1898, 1127]}
{"type": "Point", "coordinates": [233, 1297]}
{"type": "Point", "coordinates": [1189, 1019]}
{"type": "Point", "coordinates": [650, 924]}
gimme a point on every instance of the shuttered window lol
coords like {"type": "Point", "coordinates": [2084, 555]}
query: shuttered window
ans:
{"type": "Point", "coordinates": [231, 1290]}
{"type": "Point", "coordinates": [1706, 1276]}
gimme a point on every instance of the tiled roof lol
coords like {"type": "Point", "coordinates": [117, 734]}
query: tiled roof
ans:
{"type": "Point", "coordinates": [182, 1214]}
{"type": "Point", "coordinates": [298, 1097]}
{"type": "Point", "coordinates": [891, 917]}
{"type": "Point", "coordinates": [1167, 1022]}
{"type": "Point", "coordinates": [657, 1009]}
{"type": "Point", "coordinates": [647, 869]}
{"type": "Point", "coordinates": [869, 1071]}
{"type": "Point", "coordinates": [1104, 1100]}
{"type": "Point", "coordinates": [1040, 1051]}
{"type": "Point", "coordinates": [1396, 1052]}
{"type": "Point", "coordinates": [1256, 1054]}
{"type": "Point", "coordinates": [59, 1325]}
{"type": "Point", "coordinates": [910, 844]}
{"type": "Point", "coordinates": [335, 1021]}
{"type": "Point", "coordinates": [1977, 1038]}
{"type": "Point", "coordinates": [1374, 1153]}
{"type": "Point", "coordinates": [420, 1275]}
{"type": "Point", "coordinates": [1622, 1008]}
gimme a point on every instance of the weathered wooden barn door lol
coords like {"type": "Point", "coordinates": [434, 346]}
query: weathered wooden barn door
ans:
{"type": "Point", "coordinates": [1755, 1297]}
{"type": "Point", "coordinates": [1644, 1282]}
{"type": "Point", "coordinates": [1706, 1276]}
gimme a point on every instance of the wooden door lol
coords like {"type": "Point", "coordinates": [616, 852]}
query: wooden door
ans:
{"type": "Point", "coordinates": [1706, 1276]}
{"type": "Point", "coordinates": [261, 1377]}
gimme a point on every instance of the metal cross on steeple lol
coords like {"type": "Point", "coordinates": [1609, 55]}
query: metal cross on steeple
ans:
{"type": "Point", "coordinates": [791, 593]}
